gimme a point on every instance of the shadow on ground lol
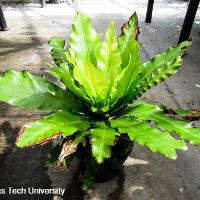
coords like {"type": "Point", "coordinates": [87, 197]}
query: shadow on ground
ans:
{"type": "Point", "coordinates": [23, 167]}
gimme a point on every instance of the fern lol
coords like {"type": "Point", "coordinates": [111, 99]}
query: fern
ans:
{"type": "Point", "coordinates": [101, 79]}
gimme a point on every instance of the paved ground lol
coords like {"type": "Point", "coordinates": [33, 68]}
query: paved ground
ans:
{"type": "Point", "coordinates": [146, 176]}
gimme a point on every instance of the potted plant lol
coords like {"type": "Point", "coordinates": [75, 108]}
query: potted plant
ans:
{"type": "Point", "coordinates": [97, 116]}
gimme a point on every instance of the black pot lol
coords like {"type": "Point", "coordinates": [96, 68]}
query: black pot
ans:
{"type": "Point", "coordinates": [111, 166]}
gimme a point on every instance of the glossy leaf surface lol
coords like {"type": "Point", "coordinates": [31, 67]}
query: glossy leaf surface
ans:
{"type": "Point", "coordinates": [28, 91]}
{"type": "Point", "coordinates": [103, 138]}
{"type": "Point", "coordinates": [145, 135]}
{"type": "Point", "coordinates": [160, 67]}
{"type": "Point", "coordinates": [146, 111]}
{"type": "Point", "coordinates": [40, 131]}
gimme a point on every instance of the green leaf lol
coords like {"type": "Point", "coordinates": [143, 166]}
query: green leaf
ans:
{"type": "Point", "coordinates": [66, 78]}
{"type": "Point", "coordinates": [125, 80]}
{"type": "Point", "coordinates": [85, 75]}
{"type": "Point", "coordinates": [58, 52]}
{"type": "Point", "coordinates": [108, 63]}
{"type": "Point", "coordinates": [27, 91]}
{"type": "Point", "coordinates": [84, 43]}
{"type": "Point", "coordinates": [130, 31]}
{"type": "Point", "coordinates": [146, 111]}
{"type": "Point", "coordinates": [80, 136]}
{"type": "Point", "coordinates": [184, 113]}
{"type": "Point", "coordinates": [57, 43]}
{"type": "Point", "coordinates": [160, 67]}
{"type": "Point", "coordinates": [129, 76]}
{"type": "Point", "coordinates": [40, 131]}
{"type": "Point", "coordinates": [103, 138]}
{"type": "Point", "coordinates": [84, 40]}
{"type": "Point", "coordinates": [188, 114]}
{"type": "Point", "coordinates": [59, 56]}
{"type": "Point", "coordinates": [149, 136]}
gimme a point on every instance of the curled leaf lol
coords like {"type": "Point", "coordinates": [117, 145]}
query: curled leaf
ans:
{"type": "Point", "coordinates": [68, 148]}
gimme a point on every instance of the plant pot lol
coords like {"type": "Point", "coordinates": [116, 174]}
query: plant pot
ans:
{"type": "Point", "coordinates": [112, 166]}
